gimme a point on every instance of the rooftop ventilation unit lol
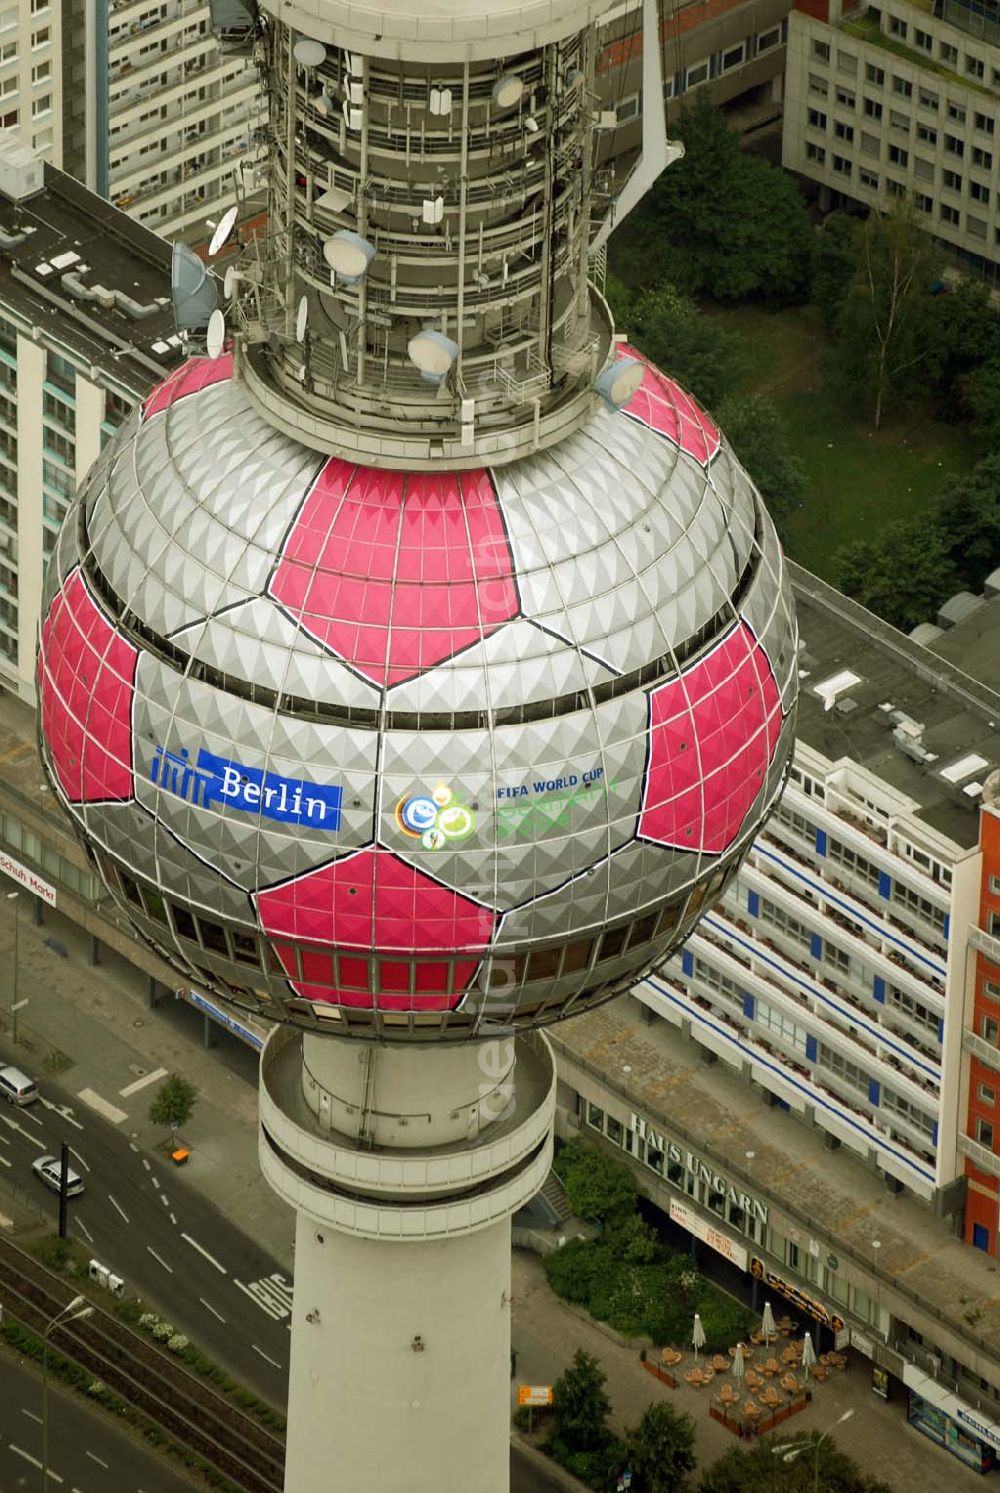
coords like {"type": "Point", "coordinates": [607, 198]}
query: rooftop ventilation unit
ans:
{"type": "Point", "coordinates": [908, 739]}
{"type": "Point", "coordinates": [21, 171]}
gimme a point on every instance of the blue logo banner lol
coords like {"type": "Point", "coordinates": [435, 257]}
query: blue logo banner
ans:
{"type": "Point", "coordinates": [249, 790]}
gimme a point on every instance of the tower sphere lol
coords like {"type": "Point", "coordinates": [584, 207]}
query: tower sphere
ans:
{"type": "Point", "coordinates": [406, 754]}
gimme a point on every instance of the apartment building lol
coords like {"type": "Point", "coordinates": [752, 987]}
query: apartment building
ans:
{"type": "Point", "coordinates": [158, 115]}
{"type": "Point", "coordinates": [733, 49]}
{"type": "Point", "coordinates": [86, 327]}
{"type": "Point", "coordinates": [31, 83]}
{"type": "Point", "coordinates": [900, 100]}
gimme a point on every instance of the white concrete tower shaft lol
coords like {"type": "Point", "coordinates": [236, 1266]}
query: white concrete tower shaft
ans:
{"type": "Point", "coordinates": [404, 1166]}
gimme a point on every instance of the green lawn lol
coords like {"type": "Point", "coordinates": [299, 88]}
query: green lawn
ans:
{"type": "Point", "coordinates": [859, 480]}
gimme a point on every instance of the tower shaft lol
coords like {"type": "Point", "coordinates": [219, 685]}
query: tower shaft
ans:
{"type": "Point", "coordinates": [404, 1167]}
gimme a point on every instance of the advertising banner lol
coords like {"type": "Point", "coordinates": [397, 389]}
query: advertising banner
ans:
{"type": "Point", "coordinates": [713, 1237]}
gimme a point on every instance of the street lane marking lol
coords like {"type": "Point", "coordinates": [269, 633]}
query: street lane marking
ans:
{"type": "Point", "coordinates": [208, 1305]}
{"type": "Point", "coordinates": [173, 1218]}
{"type": "Point", "coordinates": [140, 1083]}
{"type": "Point", "coordinates": [13, 1125]}
{"type": "Point", "coordinates": [155, 1183]}
{"type": "Point", "coordinates": [164, 1200]}
{"type": "Point", "coordinates": [109, 1111]}
{"type": "Point", "coordinates": [273, 1294]}
{"type": "Point", "coordinates": [34, 1118]}
{"type": "Point", "coordinates": [95, 1458]}
{"type": "Point", "coordinates": [202, 1251]}
{"type": "Point", "coordinates": [146, 1164]}
{"type": "Point", "coordinates": [63, 1110]}
{"type": "Point", "coordinates": [4, 1161]}
{"type": "Point", "coordinates": [118, 1208]}
{"type": "Point", "coordinates": [159, 1259]}
{"type": "Point", "coordinates": [87, 1234]}
{"type": "Point", "coordinates": [32, 1416]}
{"type": "Point", "coordinates": [264, 1355]}
{"type": "Point", "coordinates": [34, 1461]}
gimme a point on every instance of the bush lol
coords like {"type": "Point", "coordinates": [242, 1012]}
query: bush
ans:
{"type": "Point", "coordinates": [596, 1184]}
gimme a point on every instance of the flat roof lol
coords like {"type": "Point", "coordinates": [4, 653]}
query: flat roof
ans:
{"type": "Point", "coordinates": [69, 230]}
{"type": "Point", "coordinates": [828, 1195]}
{"type": "Point", "coordinates": [861, 681]}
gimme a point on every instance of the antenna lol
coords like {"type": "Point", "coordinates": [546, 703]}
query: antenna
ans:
{"type": "Point", "coordinates": [309, 53]}
{"type": "Point", "coordinates": [216, 334]}
{"type": "Point", "coordinates": [301, 319]}
{"type": "Point", "coordinates": [229, 282]}
{"type": "Point", "coordinates": [223, 229]}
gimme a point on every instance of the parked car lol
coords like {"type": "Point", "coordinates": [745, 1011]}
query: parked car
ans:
{"type": "Point", "coordinates": [16, 1087]}
{"type": "Point", "coordinates": [47, 1170]}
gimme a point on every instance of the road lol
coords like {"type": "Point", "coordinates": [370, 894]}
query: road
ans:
{"type": "Point", "coordinates": [87, 1451]}
{"type": "Point", "coordinates": [168, 1242]}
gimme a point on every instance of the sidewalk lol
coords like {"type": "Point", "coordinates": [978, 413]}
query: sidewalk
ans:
{"type": "Point", "coordinates": [547, 1334]}
{"type": "Point", "coordinates": [100, 1020]}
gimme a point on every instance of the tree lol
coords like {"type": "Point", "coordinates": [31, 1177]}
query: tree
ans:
{"type": "Point", "coordinates": [596, 1184]}
{"type": "Point", "coordinates": [889, 328]}
{"type": "Point", "coordinates": [760, 1471]}
{"type": "Point", "coordinates": [834, 264]}
{"type": "Point", "coordinates": [757, 434]}
{"type": "Point", "coordinates": [981, 396]}
{"type": "Point", "coordinates": [661, 1450]}
{"type": "Point", "coordinates": [902, 575]}
{"type": "Point", "coordinates": [703, 354]}
{"type": "Point", "coordinates": [580, 1407]}
{"type": "Point", "coordinates": [968, 515]}
{"type": "Point", "coordinates": [723, 222]}
{"type": "Point", "coordinates": [174, 1102]}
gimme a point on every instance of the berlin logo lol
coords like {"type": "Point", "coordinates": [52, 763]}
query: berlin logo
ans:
{"type": "Point", "coordinates": [248, 789]}
{"type": "Point", "coordinates": [435, 819]}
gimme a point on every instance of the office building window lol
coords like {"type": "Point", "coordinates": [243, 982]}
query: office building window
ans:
{"type": "Point", "coordinates": [947, 52]}
{"type": "Point", "coordinates": [954, 146]}
{"type": "Point", "coordinates": [979, 192]}
{"type": "Point", "coordinates": [985, 1094]}
{"type": "Point", "coordinates": [815, 153]}
{"type": "Point", "coordinates": [974, 67]}
{"type": "Point", "coordinates": [898, 156]}
{"type": "Point", "coordinates": [818, 85]}
{"type": "Point", "coordinates": [926, 134]}
{"type": "Point", "coordinates": [923, 39]}
{"type": "Point", "coordinates": [846, 97]}
{"type": "Point", "coordinates": [956, 112]}
{"type": "Point", "coordinates": [902, 86]}
{"type": "Point", "coordinates": [816, 119]}
{"type": "Point", "coordinates": [951, 180]}
{"type": "Point", "coordinates": [984, 1133]}
{"type": "Point", "coordinates": [843, 131]}
{"type": "Point", "coordinates": [982, 158]}
{"type": "Point", "coordinates": [873, 109]}
{"type": "Point", "coordinates": [948, 214]}
{"type": "Point", "coordinates": [819, 49]}
{"type": "Point", "coordinates": [984, 122]}
{"type": "Point", "coordinates": [897, 27]}
{"type": "Point", "coordinates": [868, 179]}
{"type": "Point", "coordinates": [924, 203]}
{"type": "Point", "coordinates": [976, 226]}
{"type": "Point", "coordinates": [989, 1029]}
{"type": "Point", "coordinates": [842, 164]}
{"type": "Point", "coordinates": [928, 100]}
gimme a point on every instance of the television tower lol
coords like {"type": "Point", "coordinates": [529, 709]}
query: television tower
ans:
{"type": "Point", "coordinates": [416, 667]}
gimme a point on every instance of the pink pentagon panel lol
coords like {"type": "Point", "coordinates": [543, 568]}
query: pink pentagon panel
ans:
{"type": "Point", "coordinates": [394, 571]}
{"type": "Point", "coordinates": [195, 374]}
{"type": "Point", "coordinates": [713, 733]}
{"type": "Point", "coordinates": [668, 409]}
{"type": "Point", "coordinates": [373, 901]}
{"type": "Point", "coordinates": [86, 677]}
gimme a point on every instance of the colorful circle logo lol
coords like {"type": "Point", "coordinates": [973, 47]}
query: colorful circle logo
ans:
{"type": "Point", "coordinates": [435, 819]}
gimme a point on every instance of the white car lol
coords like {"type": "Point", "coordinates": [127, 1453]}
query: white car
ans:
{"type": "Point", "coordinates": [47, 1169]}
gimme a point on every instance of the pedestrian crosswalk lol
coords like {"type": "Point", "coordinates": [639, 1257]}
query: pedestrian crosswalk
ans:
{"type": "Point", "coordinates": [272, 1293]}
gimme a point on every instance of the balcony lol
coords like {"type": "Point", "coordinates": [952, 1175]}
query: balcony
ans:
{"type": "Point", "coordinates": [979, 1155]}
{"type": "Point", "coordinates": [986, 943]}
{"type": "Point", "coordinates": [978, 1047]}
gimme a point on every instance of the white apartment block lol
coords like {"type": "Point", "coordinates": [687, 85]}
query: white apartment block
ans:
{"type": "Point", "coordinates": [86, 328]}
{"type": "Point", "coordinates": [836, 973]}
{"type": "Point", "coordinates": [893, 102]}
{"type": "Point", "coordinates": [31, 74]}
{"type": "Point", "coordinates": [158, 115]}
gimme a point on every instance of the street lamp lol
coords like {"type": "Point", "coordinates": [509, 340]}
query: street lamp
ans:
{"type": "Point", "coordinates": [790, 1451]}
{"type": "Point", "coordinates": [14, 1002]}
{"type": "Point", "coordinates": [74, 1312]}
{"type": "Point", "coordinates": [876, 1246]}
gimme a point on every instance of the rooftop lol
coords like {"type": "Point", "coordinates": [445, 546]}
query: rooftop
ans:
{"type": "Point", "coordinates": [858, 676]}
{"type": "Point", "coordinates": [656, 1069]}
{"type": "Point", "coordinates": [72, 262]}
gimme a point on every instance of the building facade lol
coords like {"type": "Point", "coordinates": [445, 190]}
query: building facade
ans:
{"type": "Point", "coordinates": [899, 102]}
{"type": "Point", "coordinates": [85, 326]}
{"type": "Point", "coordinates": [157, 115]}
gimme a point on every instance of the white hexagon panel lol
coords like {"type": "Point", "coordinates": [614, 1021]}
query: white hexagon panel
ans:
{"type": "Point", "coordinates": [410, 753]}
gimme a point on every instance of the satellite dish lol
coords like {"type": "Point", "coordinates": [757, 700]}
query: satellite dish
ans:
{"type": "Point", "coordinates": [229, 282]}
{"type": "Point", "coordinates": [223, 229]}
{"type": "Point", "coordinates": [194, 292]}
{"type": "Point", "coordinates": [433, 353]}
{"type": "Point", "coordinates": [348, 254]}
{"type": "Point", "coordinates": [308, 52]}
{"type": "Point", "coordinates": [301, 318]}
{"type": "Point", "coordinates": [216, 334]}
{"type": "Point", "coordinates": [507, 91]}
{"type": "Point", "coordinates": [617, 384]}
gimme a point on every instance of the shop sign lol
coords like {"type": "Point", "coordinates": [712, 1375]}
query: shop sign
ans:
{"type": "Point", "coordinates": [980, 1428]}
{"type": "Point", "coordinates": [862, 1343]}
{"type": "Point", "coordinates": [797, 1296]}
{"type": "Point", "coordinates": [880, 1382]}
{"type": "Point", "coordinates": [714, 1238]}
{"type": "Point", "coordinates": [701, 1170]}
{"type": "Point", "coordinates": [27, 878]}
